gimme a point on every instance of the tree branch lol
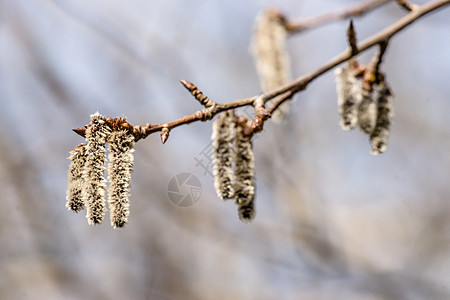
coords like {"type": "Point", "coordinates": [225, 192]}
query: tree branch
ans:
{"type": "Point", "coordinates": [300, 83]}
{"type": "Point", "coordinates": [351, 11]}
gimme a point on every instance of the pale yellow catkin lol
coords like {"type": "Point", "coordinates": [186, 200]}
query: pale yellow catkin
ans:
{"type": "Point", "coordinates": [385, 109]}
{"type": "Point", "coordinates": [348, 88]}
{"type": "Point", "coordinates": [75, 179]}
{"type": "Point", "coordinates": [120, 167]}
{"type": "Point", "coordinates": [270, 55]}
{"type": "Point", "coordinates": [93, 191]}
{"type": "Point", "coordinates": [245, 175]}
{"type": "Point", "coordinates": [367, 110]}
{"type": "Point", "coordinates": [224, 129]}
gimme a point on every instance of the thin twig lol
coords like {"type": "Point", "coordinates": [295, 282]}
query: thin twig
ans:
{"type": "Point", "coordinates": [298, 84]}
{"type": "Point", "coordinates": [284, 97]}
{"type": "Point", "coordinates": [351, 11]}
{"type": "Point", "coordinates": [301, 82]}
{"type": "Point", "coordinates": [406, 5]}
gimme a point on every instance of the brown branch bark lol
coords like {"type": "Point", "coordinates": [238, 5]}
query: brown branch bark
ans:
{"type": "Point", "coordinates": [298, 84]}
{"type": "Point", "coordinates": [351, 11]}
{"type": "Point", "coordinates": [406, 5]}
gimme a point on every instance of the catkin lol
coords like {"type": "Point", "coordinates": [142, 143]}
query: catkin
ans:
{"type": "Point", "coordinates": [270, 55]}
{"type": "Point", "coordinates": [385, 107]}
{"type": "Point", "coordinates": [246, 212]}
{"type": "Point", "coordinates": [95, 184]}
{"type": "Point", "coordinates": [223, 154]}
{"type": "Point", "coordinates": [367, 111]}
{"type": "Point", "coordinates": [245, 175]}
{"type": "Point", "coordinates": [121, 162]}
{"type": "Point", "coordinates": [75, 180]}
{"type": "Point", "coordinates": [348, 88]}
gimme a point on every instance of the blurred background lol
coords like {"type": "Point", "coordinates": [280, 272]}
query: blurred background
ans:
{"type": "Point", "coordinates": [333, 221]}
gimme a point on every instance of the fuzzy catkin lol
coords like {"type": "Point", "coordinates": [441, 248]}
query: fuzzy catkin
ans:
{"type": "Point", "coordinates": [95, 183]}
{"type": "Point", "coordinates": [385, 108]}
{"type": "Point", "coordinates": [246, 212]}
{"type": "Point", "coordinates": [223, 154]}
{"type": "Point", "coordinates": [244, 173]}
{"type": "Point", "coordinates": [75, 180]}
{"type": "Point", "coordinates": [348, 88]}
{"type": "Point", "coordinates": [121, 162]}
{"type": "Point", "coordinates": [270, 55]}
{"type": "Point", "coordinates": [367, 110]}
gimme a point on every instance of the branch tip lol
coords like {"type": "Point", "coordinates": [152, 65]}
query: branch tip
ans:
{"type": "Point", "coordinates": [198, 94]}
{"type": "Point", "coordinates": [80, 131]}
{"type": "Point", "coordinates": [188, 85]}
{"type": "Point", "coordinates": [351, 38]}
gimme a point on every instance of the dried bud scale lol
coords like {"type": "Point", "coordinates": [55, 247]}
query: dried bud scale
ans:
{"type": "Point", "coordinates": [367, 110]}
{"type": "Point", "coordinates": [271, 57]}
{"type": "Point", "coordinates": [121, 162]}
{"type": "Point", "coordinates": [348, 89]}
{"type": "Point", "coordinates": [385, 108]}
{"type": "Point", "coordinates": [245, 167]}
{"type": "Point", "coordinates": [223, 154]}
{"type": "Point", "coordinates": [94, 187]}
{"type": "Point", "coordinates": [75, 180]}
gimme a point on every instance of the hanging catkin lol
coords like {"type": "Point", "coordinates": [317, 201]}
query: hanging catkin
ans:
{"type": "Point", "coordinates": [223, 154]}
{"type": "Point", "coordinates": [121, 162]}
{"type": "Point", "coordinates": [245, 175]}
{"type": "Point", "coordinates": [270, 55]}
{"type": "Point", "coordinates": [246, 212]}
{"type": "Point", "coordinates": [367, 110]}
{"type": "Point", "coordinates": [348, 88]}
{"type": "Point", "coordinates": [385, 107]}
{"type": "Point", "coordinates": [93, 172]}
{"type": "Point", "coordinates": [75, 180]}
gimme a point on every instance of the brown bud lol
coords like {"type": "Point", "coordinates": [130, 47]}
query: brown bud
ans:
{"type": "Point", "coordinates": [126, 126]}
{"type": "Point", "coordinates": [164, 134]}
{"type": "Point", "coordinates": [257, 124]}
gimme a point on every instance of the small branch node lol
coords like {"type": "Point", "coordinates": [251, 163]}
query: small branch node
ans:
{"type": "Point", "coordinates": [140, 132]}
{"type": "Point", "coordinates": [205, 114]}
{"type": "Point", "coordinates": [261, 114]}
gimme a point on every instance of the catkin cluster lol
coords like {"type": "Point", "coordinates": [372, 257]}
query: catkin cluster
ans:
{"type": "Point", "coordinates": [233, 163]}
{"type": "Point", "coordinates": [86, 180]}
{"type": "Point", "coordinates": [270, 55]}
{"type": "Point", "coordinates": [366, 104]}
